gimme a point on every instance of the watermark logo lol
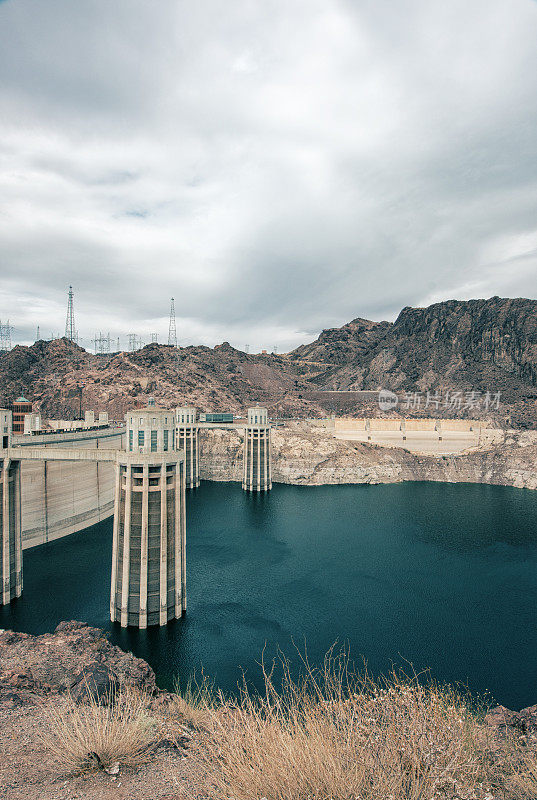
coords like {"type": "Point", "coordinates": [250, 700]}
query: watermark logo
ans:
{"type": "Point", "coordinates": [387, 400]}
{"type": "Point", "coordinates": [449, 399]}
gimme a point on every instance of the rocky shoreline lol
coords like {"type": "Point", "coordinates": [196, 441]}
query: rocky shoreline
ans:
{"type": "Point", "coordinates": [308, 455]}
{"type": "Point", "coordinates": [51, 664]}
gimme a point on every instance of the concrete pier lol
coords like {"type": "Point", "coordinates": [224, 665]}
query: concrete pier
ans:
{"type": "Point", "coordinates": [257, 452]}
{"type": "Point", "coordinates": [10, 523]}
{"type": "Point", "coordinates": [187, 439]}
{"type": "Point", "coordinates": [148, 585]}
{"type": "Point", "coordinates": [10, 514]}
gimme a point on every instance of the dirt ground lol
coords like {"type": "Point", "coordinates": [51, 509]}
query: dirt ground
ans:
{"type": "Point", "coordinates": [28, 772]}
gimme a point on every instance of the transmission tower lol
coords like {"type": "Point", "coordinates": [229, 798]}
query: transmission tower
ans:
{"type": "Point", "coordinates": [5, 336]}
{"type": "Point", "coordinates": [135, 342]}
{"type": "Point", "coordinates": [172, 330]}
{"type": "Point", "coordinates": [102, 344]}
{"type": "Point", "coordinates": [246, 348]}
{"type": "Point", "coordinates": [118, 345]}
{"type": "Point", "coordinates": [70, 329]}
{"type": "Point", "coordinates": [37, 334]}
{"type": "Point", "coordinates": [154, 338]}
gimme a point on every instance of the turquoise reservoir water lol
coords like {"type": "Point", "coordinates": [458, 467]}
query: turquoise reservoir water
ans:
{"type": "Point", "coordinates": [440, 575]}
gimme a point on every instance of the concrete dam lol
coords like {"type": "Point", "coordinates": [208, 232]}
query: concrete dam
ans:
{"type": "Point", "coordinates": [53, 485]}
{"type": "Point", "coordinates": [63, 497]}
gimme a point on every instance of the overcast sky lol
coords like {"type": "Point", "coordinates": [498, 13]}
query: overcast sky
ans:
{"type": "Point", "coordinates": [278, 167]}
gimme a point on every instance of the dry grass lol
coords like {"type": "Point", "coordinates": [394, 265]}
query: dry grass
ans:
{"type": "Point", "coordinates": [521, 778]}
{"type": "Point", "coordinates": [95, 735]}
{"type": "Point", "coordinates": [337, 735]}
{"type": "Point", "coordinates": [334, 734]}
{"type": "Point", "coordinates": [197, 702]}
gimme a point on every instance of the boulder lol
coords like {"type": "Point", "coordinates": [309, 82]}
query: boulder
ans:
{"type": "Point", "coordinates": [95, 682]}
{"type": "Point", "coordinates": [75, 657]}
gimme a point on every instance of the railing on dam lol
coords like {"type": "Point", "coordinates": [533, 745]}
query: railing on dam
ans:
{"type": "Point", "coordinates": [60, 454]}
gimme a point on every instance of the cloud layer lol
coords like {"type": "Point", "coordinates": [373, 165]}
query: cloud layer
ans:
{"type": "Point", "coordinates": [277, 167]}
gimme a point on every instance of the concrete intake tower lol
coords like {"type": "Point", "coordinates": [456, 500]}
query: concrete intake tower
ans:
{"type": "Point", "coordinates": [187, 438]}
{"type": "Point", "coordinates": [148, 584]}
{"type": "Point", "coordinates": [257, 456]}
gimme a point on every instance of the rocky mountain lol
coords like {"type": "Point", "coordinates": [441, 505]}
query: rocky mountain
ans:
{"type": "Point", "coordinates": [481, 344]}
{"type": "Point", "coordinates": [54, 374]}
{"type": "Point", "coordinates": [344, 345]}
{"type": "Point", "coordinates": [475, 345]}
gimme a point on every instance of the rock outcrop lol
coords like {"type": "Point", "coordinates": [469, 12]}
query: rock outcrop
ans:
{"type": "Point", "coordinates": [523, 721]}
{"type": "Point", "coordinates": [308, 454]}
{"type": "Point", "coordinates": [72, 658]}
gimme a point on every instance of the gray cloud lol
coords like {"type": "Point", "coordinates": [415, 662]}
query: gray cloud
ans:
{"type": "Point", "coordinates": [277, 168]}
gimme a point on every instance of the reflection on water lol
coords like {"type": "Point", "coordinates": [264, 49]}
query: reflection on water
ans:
{"type": "Point", "coordinates": [442, 575]}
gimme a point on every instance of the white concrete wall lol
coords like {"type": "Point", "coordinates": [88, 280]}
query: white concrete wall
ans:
{"type": "Point", "coordinates": [59, 498]}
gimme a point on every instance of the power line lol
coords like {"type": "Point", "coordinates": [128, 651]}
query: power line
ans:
{"type": "Point", "coordinates": [102, 343]}
{"type": "Point", "coordinates": [135, 342]}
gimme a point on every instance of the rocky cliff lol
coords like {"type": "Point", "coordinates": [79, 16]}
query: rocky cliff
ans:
{"type": "Point", "coordinates": [309, 455]}
{"type": "Point", "coordinates": [475, 344]}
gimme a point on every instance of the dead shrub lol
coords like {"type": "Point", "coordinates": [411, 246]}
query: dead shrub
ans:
{"type": "Point", "coordinates": [521, 780]}
{"type": "Point", "coordinates": [96, 735]}
{"type": "Point", "coordinates": [335, 734]}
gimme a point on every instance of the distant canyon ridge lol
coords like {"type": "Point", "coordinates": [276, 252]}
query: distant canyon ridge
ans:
{"type": "Point", "coordinates": [474, 346]}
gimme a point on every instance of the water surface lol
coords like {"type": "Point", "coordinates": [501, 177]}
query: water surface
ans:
{"type": "Point", "coordinates": [440, 575]}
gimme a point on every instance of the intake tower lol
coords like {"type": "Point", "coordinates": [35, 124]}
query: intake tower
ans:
{"type": "Point", "coordinates": [187, 437]}
{"type": "Point", "coordinates": [257, 455]}
{"type": "Point", "coordinates": [10, 516]}
{"type": "Point", "coordinates": [148, 584]}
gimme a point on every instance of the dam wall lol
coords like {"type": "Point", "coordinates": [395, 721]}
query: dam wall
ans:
{"type": "Point", "coordinates": [409, 424]}
{"type": "Point", "coordinates": [344, 423]}
{"type": "Point", "coordinates": [63, 497]}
